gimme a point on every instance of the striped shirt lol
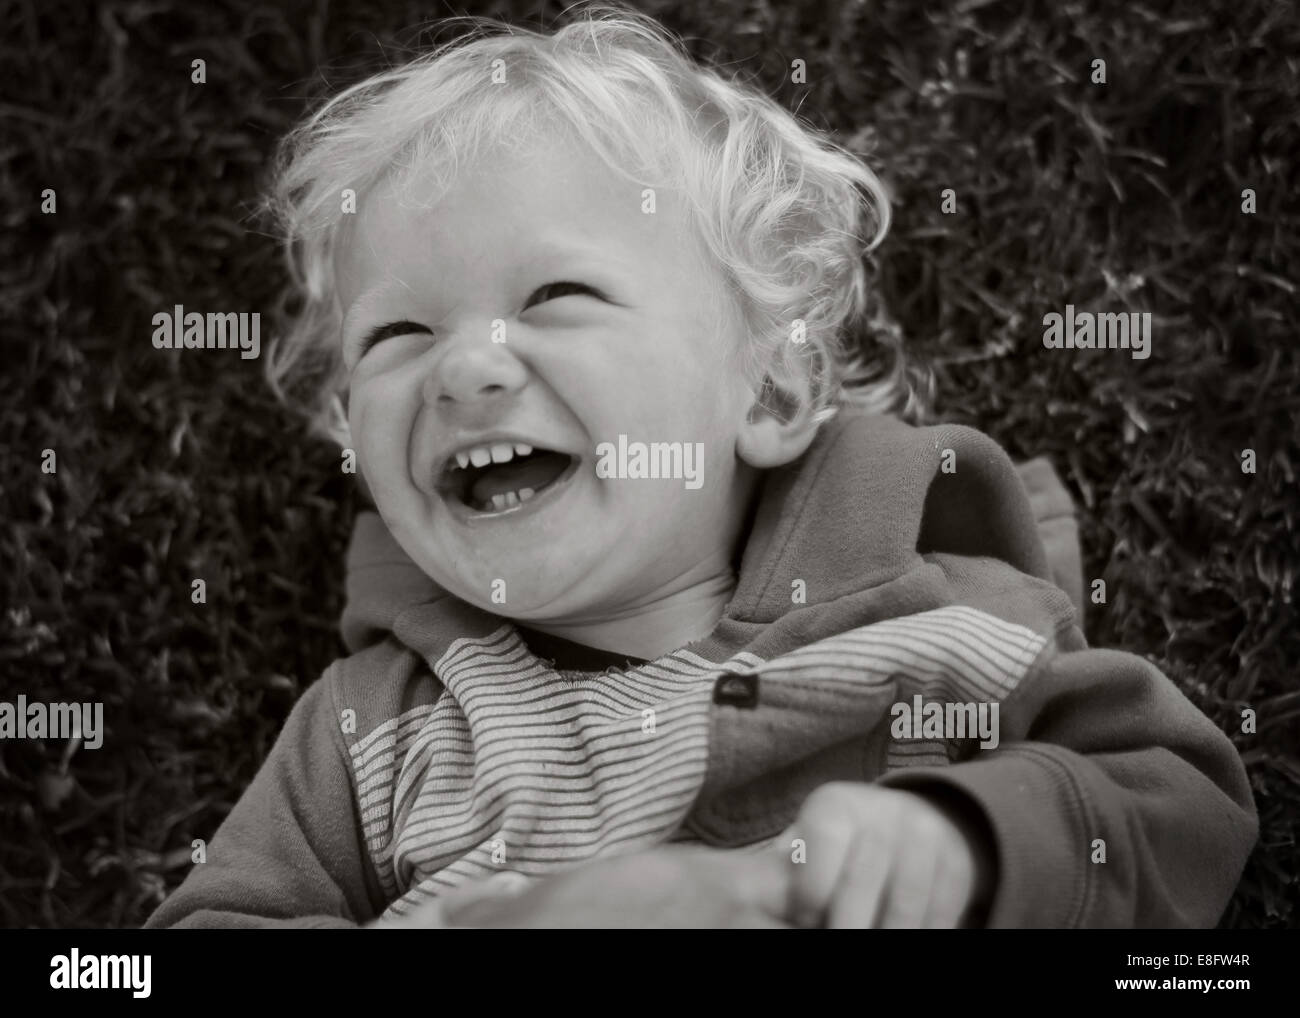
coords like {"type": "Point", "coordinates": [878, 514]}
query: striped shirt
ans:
{"type": "Point", "coordinates": [516, 767]}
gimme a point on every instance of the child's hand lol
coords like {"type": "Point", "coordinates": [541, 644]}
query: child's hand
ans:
{"type": "Point", "coordinates": [885, 858]}
{"type": "Point", "coordinates": [673, 886]}
{"type": "Point", "coordinates": [874, 857]}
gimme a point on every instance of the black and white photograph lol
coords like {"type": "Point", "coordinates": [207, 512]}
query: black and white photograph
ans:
{"type": "Point", "coordinates": [754, 464]}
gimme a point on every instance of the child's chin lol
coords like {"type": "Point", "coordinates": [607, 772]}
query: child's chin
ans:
{"type": "Point", "coordinates": [498, 588]}
{"type": "Point", "coordinates": [526, 605]}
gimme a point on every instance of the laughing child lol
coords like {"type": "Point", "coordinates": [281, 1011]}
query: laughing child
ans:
{"type": "Point", "coordinates": [666, 617]}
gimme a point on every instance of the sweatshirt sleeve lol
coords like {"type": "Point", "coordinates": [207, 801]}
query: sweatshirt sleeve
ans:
{"type": "Point", "coordinates": [1058, 529]}
{"type": "Point", "coordinates": [1102, 758]}
{"type": "Point", "coordinates": [290, 852]}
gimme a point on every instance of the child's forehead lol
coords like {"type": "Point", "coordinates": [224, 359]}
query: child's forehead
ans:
{"type": "Point", "coordinates": [549, 172]}
{"type": "Point", "coordinates": [546, 201]}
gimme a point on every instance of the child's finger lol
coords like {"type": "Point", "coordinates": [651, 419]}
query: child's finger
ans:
{"type": "Point", "coordinates": [911, 884]}
{"type": "Point", "coordinates": [859, 896]}
{"type": "Point", "coordinates": [763, 882]}
{"type": "Point", "coordinates": [811, 884]}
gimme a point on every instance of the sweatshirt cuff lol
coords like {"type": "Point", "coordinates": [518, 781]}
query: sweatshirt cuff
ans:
{"type": "Point", "coordinates": [1039, 832]}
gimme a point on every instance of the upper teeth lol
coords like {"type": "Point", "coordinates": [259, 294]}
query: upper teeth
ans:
{"type": "Point", "coordinates": [482, 455]}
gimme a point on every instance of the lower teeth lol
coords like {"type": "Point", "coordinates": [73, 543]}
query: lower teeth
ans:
{"type": "Point", "coordinates": [507, 500]}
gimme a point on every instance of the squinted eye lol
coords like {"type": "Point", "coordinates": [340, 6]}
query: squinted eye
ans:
{"type": "Point", "coordinates": [551, 291]}
{"type": "Point", "coordinates": [383, 332]}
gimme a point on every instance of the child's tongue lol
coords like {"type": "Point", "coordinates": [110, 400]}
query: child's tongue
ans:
{"type": "Point", "coordinates": [536, 471]}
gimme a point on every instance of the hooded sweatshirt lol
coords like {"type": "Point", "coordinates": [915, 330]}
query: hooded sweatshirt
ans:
{"type": "Point", "coordinates": [893, 622]}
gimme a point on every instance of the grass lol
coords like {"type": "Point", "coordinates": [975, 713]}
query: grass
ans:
{"type": "Point", "coordinates": [172, 467]}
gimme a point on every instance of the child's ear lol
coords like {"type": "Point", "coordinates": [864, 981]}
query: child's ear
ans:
{"type": "Point", "coordinates": [780, 424]}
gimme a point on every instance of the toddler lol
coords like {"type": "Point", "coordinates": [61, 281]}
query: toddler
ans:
{"type": "Point", "coordinates": [666, 615]}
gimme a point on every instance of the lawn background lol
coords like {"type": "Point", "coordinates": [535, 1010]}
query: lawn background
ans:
{"type": "Point", "coordinates": [1122, 196]}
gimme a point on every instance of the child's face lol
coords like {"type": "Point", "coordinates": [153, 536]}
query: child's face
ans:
{"type": "Point", "coordinates": [499, 355]}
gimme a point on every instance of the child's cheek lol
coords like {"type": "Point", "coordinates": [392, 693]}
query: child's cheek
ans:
{"type": "Point", "coordinates": [365, 423]}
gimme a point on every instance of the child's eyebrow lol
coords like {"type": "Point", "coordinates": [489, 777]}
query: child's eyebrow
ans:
{"type": "Point", "coordinates": [547, 249]}
{"type": "Point", "coordinates": [368, 297]}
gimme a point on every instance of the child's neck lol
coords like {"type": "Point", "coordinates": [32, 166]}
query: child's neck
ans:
{"type": "Point", "coordinates": [658, 624]}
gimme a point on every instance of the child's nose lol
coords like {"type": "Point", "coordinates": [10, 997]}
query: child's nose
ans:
{"type": "Point", "coordinates": [472, 371]}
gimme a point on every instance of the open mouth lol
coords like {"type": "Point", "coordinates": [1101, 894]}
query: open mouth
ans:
{"type": "Point", "coordinates": [514, 474]}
